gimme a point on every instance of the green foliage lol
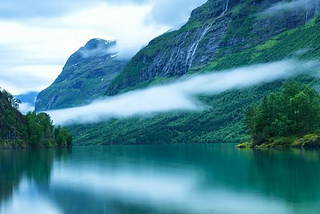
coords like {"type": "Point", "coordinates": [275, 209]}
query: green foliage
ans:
{"type": "Point", "coordinates": [63, 138]}
{"type": "Point", "coordinates": [21, 131]}
{"type": "Point", "coordinates": [295, 111]}
{"type": "Point", "coordinates": [12, 100]}
{"type": "Point", "coordinates": [81, 81]}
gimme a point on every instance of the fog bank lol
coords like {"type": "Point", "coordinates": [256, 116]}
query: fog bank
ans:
{"type": "Point", "coordinates": [179, 96]}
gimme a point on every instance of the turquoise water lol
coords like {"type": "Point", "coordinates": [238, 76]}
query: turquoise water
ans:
{"type": "Point", "coordinates": [175, 179]}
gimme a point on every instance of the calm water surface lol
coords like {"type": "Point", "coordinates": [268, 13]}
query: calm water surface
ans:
{"type": "Point", "coordinates": [175, 179]}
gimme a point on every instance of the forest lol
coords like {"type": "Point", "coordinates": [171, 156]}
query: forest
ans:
{"type": "Point", "coordinates": [286, 118]}
{"type": "Point", "coordinates": [33, 130]}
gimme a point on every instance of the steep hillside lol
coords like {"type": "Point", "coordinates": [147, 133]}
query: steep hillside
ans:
{"type": "Point", "coordinates": [86, 76]}
{"type": "Point", "coordinates": [31, 130]}
{"type": "Point", "coordinates": [215, 30]}
{"type": "Point", "coordinates": [219, 35]}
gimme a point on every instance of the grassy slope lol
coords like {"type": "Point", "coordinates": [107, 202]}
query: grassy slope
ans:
{"type": "Point", "coordinates": [223, 123]}
{"type": "Point", "coordinates": [89, 88]}
{"type": "Point", "coordinates": [81, 81]}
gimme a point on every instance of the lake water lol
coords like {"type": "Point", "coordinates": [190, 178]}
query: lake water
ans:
{"type": "Point", "coordinates": [175, 179]}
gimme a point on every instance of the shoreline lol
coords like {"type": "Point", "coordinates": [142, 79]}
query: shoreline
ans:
{"type": "Point", "coordinates": [306, 141]}
{"type": "Point", "coordinates": [20, 145]}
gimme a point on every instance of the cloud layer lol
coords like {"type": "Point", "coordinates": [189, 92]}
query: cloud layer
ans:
{"type": "Point", "coordinates": [180, 96]}
{"type": "Point", "coordinates": [284, 6]}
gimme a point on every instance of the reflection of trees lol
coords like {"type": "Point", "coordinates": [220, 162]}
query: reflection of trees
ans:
{"type": "Point", "coordinates": [293, 174]}
{"type": "Point", "coordinates": [35, 165]}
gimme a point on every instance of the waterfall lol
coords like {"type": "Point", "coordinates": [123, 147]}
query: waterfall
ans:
{"type": "Point", "coordinates": [306, 11]}
{"type": "Point", "coordinates": [194, 47]}
{"type": "Point", "coordinates": [226, 7]}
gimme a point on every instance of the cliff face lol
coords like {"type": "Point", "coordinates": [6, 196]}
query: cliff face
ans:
{"type": "Point", "coordinates": [86, 76]}
{"type": "Point", "coordinates": [216, 29]}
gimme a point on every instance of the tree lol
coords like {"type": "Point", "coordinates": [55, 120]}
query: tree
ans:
{"type": "Point", "coordinates": [293, 111]}
{"type": "Point", "coordinates": [62, 137]}
{"type": "Point", "coordinates": [12, 100]}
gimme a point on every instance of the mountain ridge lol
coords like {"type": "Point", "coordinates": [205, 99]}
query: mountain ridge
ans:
{"type": "Point", "coordinates": [85, 76]}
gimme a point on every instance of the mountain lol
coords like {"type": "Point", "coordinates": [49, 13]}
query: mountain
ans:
{"type": "Point", "coordinates": [28, 101]}
{"type": "Point", "coordinates": [85, 77]}
{"type": "Point", "coordinates": [28, 97]}
{"type": "Point", "coordinates": [25, 131]}
{"type": "Point", "coordinates": [213, 39]}
{"type": "Point", "coordinates": [221, 34]}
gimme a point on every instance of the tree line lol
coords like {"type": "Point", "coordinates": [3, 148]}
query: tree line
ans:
{"type": "Point", "coordinates": [34, 129]}
{"type": "Point", "coordinates": [294, 111]}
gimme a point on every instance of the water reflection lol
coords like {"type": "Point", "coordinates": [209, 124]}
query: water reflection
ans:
{"type": "Point", "coordinates": [160, 179]}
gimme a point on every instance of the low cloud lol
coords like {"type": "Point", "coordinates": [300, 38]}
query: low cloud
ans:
{"type": "Point", "coordinates": [180, 96]}
{"type": "Point", "coordinates": [24, 108]}
{"type": "Point", "coordinates": [284, 6]}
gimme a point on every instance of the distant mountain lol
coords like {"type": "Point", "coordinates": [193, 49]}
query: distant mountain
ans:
{"type": "Point", "coordinates": [85, 77]}
{"type": "Point", "coordinates": [28, 97]}
{"type": "Point", "coordinates": [28, 101]}
{"type": "Point", "coordinates": [221, 34]}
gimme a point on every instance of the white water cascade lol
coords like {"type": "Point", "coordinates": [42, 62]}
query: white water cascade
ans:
{"type": "Point", "coordinates": [194, 47]}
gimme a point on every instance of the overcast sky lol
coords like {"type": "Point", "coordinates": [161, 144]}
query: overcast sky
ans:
{"type": "Point", "coordinates": [38, 36]}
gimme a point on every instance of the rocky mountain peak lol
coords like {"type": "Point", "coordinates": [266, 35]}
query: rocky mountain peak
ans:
{"type": "Point", "coordinates": [86, 76]}
{"type": "Point", "coordinates": [97, 47]}
{"type": "Point", "coordinates": [98, 43]}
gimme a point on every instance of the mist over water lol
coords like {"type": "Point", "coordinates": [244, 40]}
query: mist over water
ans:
{"type": "Point", "coordinates": [182, 95]}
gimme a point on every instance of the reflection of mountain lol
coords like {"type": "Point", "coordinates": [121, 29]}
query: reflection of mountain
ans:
{"type": "Point", "coordinates": [204, 173]}
{"type": "Point", "coordinates": [292, 175]}
{"type": "Point", "coordinates": [170, 179]}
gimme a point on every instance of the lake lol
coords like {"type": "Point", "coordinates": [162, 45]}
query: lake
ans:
{"type": "Point", "coordinates": [175, 179]}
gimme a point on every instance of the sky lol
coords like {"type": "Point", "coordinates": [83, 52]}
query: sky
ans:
{"type": "Point", "coordinates": [38, 36]}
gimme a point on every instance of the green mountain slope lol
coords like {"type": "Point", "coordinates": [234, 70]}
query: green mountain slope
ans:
{"type": "Point", "coordinates": [217, 29]}
{"type": "Point", "coordinates": [226, 34]}
{"type": "Point", "coordinates": [86, 76]}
